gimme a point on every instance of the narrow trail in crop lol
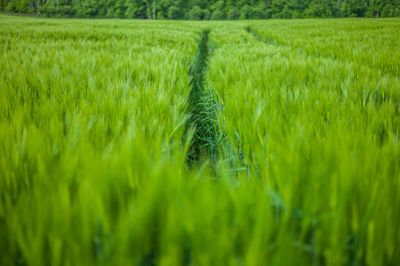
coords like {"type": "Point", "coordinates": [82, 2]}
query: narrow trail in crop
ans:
{"type": "Point", "coordinates": [202, 110]}
{"type": "Point", "coordinates": [209, 143]}
{"type": "Point", "coordinates": [250, 30]}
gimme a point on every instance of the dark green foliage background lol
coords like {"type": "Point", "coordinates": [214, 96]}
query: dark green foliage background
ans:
{"type": "Point", "coordinates": [205, 9]}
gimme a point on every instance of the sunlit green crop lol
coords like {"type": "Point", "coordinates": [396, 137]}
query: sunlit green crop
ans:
{"type": "Point", "coordinates": [96, 130]}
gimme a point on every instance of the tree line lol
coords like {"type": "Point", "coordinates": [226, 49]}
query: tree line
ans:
{"type": "Point", "coordinates": [205, 9]}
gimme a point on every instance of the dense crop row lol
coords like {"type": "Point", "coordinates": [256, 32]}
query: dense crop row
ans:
{"type": "Point", "coordinates": [100, 126]}
{"type": "Point", "coordinates": [322, 131]}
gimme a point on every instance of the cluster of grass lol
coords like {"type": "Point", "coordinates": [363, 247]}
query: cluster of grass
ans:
{"type": "Point", "coordinates": [98, 119]}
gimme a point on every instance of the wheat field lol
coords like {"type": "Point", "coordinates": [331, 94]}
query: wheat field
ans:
{"type": "Point", "coordinates": [133, 142]}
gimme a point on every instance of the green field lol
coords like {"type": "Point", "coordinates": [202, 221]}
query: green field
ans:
{"type": "Point", "coordinates": [133, 142]}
